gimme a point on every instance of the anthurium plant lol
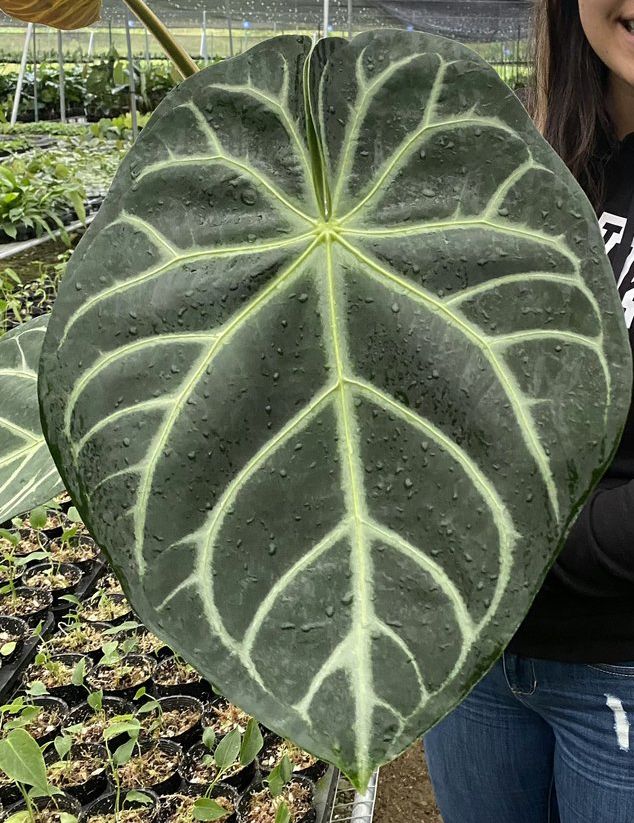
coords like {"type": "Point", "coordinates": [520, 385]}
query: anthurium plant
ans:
{"type": "Point", "coordinates": [318, 373]}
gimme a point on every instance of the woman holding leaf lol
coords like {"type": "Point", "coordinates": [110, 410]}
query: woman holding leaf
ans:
{"type": "Point", "coordinates": [546, 735]}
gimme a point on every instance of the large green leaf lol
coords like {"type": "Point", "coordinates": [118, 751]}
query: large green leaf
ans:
{"type": "Point", "coordinates": [331, 389]}
{"type": "Point", "coordinates": [22, 761]}
{"type": "Point", "coordinates": [28, 475]}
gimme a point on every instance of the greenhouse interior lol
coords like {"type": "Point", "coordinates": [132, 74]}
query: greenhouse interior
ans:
{"type": "Point", "coordinates": [258, 536]}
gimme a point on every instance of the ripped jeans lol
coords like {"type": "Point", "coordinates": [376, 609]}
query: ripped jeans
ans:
{"type": "Point", "coordinates": [538, 741]}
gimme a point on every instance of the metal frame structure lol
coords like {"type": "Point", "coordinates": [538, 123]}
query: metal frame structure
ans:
{"type": "Point", "coordinates": [351, 807]}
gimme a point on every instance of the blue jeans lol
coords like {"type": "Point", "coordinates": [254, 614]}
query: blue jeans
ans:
{"type": "Point", "coordinates": [538, 741]}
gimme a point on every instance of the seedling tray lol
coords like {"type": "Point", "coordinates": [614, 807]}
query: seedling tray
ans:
{"type": "Point", "coordinates": [10, 674]}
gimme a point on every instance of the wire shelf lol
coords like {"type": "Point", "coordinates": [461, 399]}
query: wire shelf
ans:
{"type": "Point", "coordinates": [351, 807]}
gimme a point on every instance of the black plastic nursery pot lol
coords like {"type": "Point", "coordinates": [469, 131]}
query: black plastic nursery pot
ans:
{"type": "Point", "coordinates": [193, 684]}
{"type": "Point", "coordinates": [196, 774]}
{"type": "Point", "coordinates": [90, 645]}
{"type": "Point", "coordinates": [66, 690]}
{"type": "Point", "coordinates": [102, 676]}
{"type": "Point", "coordinates": [85, 783]}
{"type": "Point", "coordinates": [108, 805]}
{"type": "Point", "coordinates": [188, 730]}
{"type": "Point", "coordinates": [11, 671]}
{"type": "Point", "coordinates": [32, 605]}
{"type": "Point", "coordinates": [64, 501]}
{"type": "Point", "coordinates": [31, 540]}
{"type": "Point", "coordinates": [36, 576]}
{"type": "Point", "coordinates": [146, 642]}
{"type": "Point", "coordinates": [109, 584]}
{"type": "Point", "coordinates": [17, 576]}
{"type": "Point", "coordinates": [223, 717]}
{"type": "Point", "coordinates": [176, 808]}
{"type": "Point", "coordinates": [243, 806]}
{"type": "Point", "coordinates": [61, 803]}
{"type": "Point", "coordinates": [124, 612]}
{"type": "Point", "coordinates": [80, 550]}
{"type": "Point", "coordinates": [164, 780]}
{"type": "Point", "coordinates": [12, 630]}
{"type": "Point", "coordinates": [52, 717]}
{"type": "Point", "coordinates": [270, 756]}
{"type": "Point", "coordinates": [93, 724]}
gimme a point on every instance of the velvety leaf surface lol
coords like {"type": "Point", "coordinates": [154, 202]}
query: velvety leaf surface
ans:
{"type": "Point", "coordinates": [330, 388]}
{"type": "Point", "coordinates": [28, 476]}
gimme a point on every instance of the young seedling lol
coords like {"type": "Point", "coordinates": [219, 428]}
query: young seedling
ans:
{"type": "Point", "coordinates": [12, 563]}
{"type": "Point", "coordinates": [18, 713]}
{"type": "Point", "coordinates": [122, 754]}
{"type": "Point", "coordinates": [22, 761]}
{"type": "Point", "coordinates": [63, 744]}
{"type": "Point", "coordinates": [151, 705]}
{"type": "Point", "coordinates": [127, 644]}
{"type": "Point", "coordinates": [55, 668]}
{"type": "Point", "coordinates": [276, 781]}
{"type": "Point", "coordinates": [38, 517]}
{"type": "Point", "coordinates": [231, 748]}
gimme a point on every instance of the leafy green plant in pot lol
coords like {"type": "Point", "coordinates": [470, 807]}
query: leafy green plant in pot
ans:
{"type": "Point", "coordinates": [78, 768]}
{"type": "Point", "coordinates": [89, 720]}
{"type": "Point", "coordinates": [61, 674]}
{"type": "Point", "coordinates": [135, 807]}
{"type": "Point", "coordinates": [275, 749]}
{"type": "Point", "coordinates": [144, 802]}
{"type": "Point", "coordinates": [290, 359]}
{"type": "Point", "coordinates": [231, 759]}
{"type": "Point", "coordinates": [81, 637]}
{"type": "Point", "coordinates": [13, 564]}
{"type": "Point", "coordinates": [175, 676]}
{"type": "Point", "coordinates": [211, 771]}
{"type": "Point", "coordinates": [154, 765]}
{"type": "Point", "coordinates": [283, 798]}
{"type": "Point", "coordinates": [105, 608]}
{"type": "Point", "coordinates": [42, 717]}
{"type": "Point", "coordinates": [58, 578]}
{"type": "Point", "coordinates": [32, 605]}
{"type": "Point", "coordinates": [176, 717]}
{"type": "Point", "coordinates": [120, 674]}
{"type": "Point", "coordinates": [22, 765]}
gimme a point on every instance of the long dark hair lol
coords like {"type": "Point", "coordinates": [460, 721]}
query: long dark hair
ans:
{"type": "Point", "coordinates": [567, 97]}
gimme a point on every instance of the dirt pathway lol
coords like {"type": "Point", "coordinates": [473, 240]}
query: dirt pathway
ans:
{"type": "Point", "coordinates": [405, 793]}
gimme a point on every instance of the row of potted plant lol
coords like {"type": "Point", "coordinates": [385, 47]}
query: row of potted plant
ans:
{"type": "Point", "coordinates": [121, 727]}
{"type": "Point", "coordinates": [131, 778]}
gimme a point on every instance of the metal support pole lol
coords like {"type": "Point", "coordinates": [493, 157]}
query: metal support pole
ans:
{"type": "Point", "coordinates": [18, 85]}
{"type": "Point", "coordinates": [128, 37]}
{"type": "Point", "coordinates": [228, 15]}
{"type": "Point", "coordinates": [326, 17]}
{"type": "Point", "coordinates": [62, 77]}
{"type": "Point", "coordinates": [350, 19]}
{"type": "Point", "coordinates": [147, 48]}
{"type": "Point", "coordinates": [204, 51]}
{"type": "Point", "coordinates": [91, 44]}
{"type": "Point", "coordinates": [110, 34]}
{"type": "Point", "coordinates": [36, 113]}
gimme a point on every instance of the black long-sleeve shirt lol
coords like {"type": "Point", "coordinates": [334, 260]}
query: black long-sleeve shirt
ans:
{"type": "Point", "coordinates": [585, 610]}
